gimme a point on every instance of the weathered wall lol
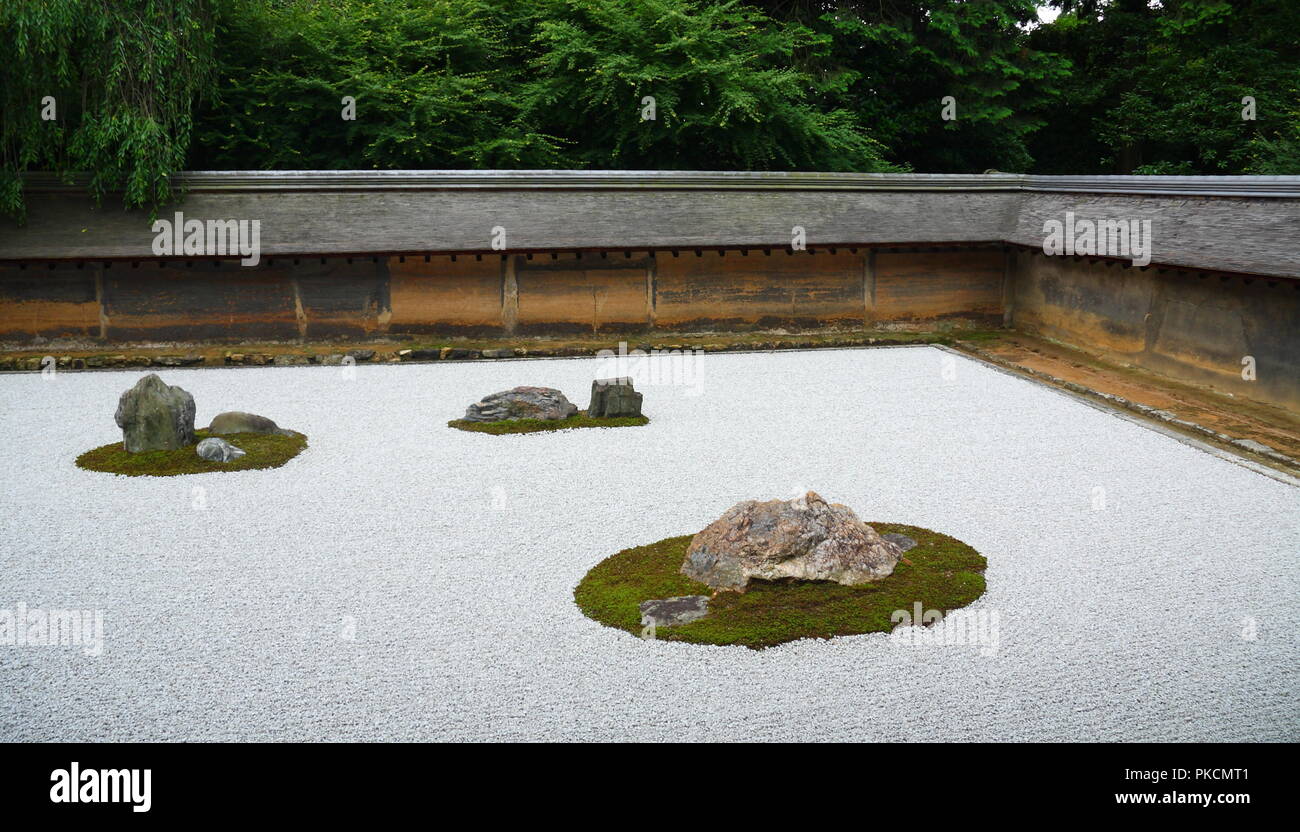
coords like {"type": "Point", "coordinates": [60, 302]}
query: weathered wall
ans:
{"type": "Point", "coordinates": [927, 285]}
{"type": "Point", "coordinates": [1192, 326]}
{"type": "Point", "coordinates": [710, 290]}
{"type": "Point", "coordinates": [568, 293]}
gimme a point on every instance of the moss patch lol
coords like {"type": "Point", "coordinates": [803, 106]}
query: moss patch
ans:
{"type": "Point", "coordinates": [261, 451]}
{"type": "Point", "coordinates": [940, 571]}
{"type": "Point", "coordinates": [578, 420]}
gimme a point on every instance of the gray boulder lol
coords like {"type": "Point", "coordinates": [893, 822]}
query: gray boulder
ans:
{"type": "Point", "coordinates": [680, 609]}
{"type": "Point", "coordinates": [611, 397]}
{"type": "Point", "coordinates": [805, 538]}
{"type": "Point", "coordinates": [234, 421]}
{"type": "Point", "coordinates": [218, 450]}
{"type": "Point", "coordinates": [522, 403]}
{"type": "Point", "coordinates": [155, 416]}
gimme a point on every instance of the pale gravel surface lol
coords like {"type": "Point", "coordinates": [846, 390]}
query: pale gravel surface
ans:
{"type": "Point", "coordinates": [227, 623]}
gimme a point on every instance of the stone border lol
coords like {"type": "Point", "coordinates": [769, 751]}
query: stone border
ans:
{"type": "Point", "coordinates": [423, 356]}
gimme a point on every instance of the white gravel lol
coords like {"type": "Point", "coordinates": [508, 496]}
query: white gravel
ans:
{"type": "Point", "coordinates": [401, 580]}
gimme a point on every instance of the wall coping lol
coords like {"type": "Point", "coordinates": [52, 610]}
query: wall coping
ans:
{"type": "Point", "coordinates": [1283, 187]}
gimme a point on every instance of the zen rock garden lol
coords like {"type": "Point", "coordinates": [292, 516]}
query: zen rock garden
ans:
{"type": "Point", "coordinates": [159, 437]}
{"type": "Point", "coordinates": [765, 573]}
{"type": "Point", "coordinates": [613, 403]}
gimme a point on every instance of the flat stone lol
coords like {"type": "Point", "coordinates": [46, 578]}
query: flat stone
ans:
{"type": "Point", "coordinates": [234, 421]}
{"type": "Point", "coordinates": [680, 609]}
{"type": "Point", "coordinates": [902, 541]}
{"type": "Point", "coordinates": [155, 416]}
{"type": "Point", "coordinates": [805, 539]}
{"type": "Point", "coordinates": [218, 450]}
{"type": "Point", "coordinates": [522, 403]}
{"type": "Point", "coordinates": [1252, 445]}
{"type": "Point", "coordinates": [613, 397]}
{"type": "Point", "coordinates": [498, 353]}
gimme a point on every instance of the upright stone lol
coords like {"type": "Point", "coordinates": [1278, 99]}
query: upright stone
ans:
{"type": "Point", "coordinates": [611, 397]}
{"type": "Point", "coordinates": [155, 416]}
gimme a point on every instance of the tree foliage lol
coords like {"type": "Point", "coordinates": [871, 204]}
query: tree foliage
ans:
{"type": "Point", "coordinates": [144, 88]}
{"type": "Point", "coordinates": [122, 77]}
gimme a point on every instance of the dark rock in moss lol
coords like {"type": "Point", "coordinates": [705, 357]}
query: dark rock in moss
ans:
{"type": "Point", "coordinates": [235, 421]}
{"type": "Point", "coordinates": [218, 450]}
{"type": "Point", "coordinates": [902, 541]}
{"type": "Point", "coordinates": [613, 397]}
{"type": "Point", "coordinates": [155, 416]}
{"type": "Point", "coordinates": [680, 609]}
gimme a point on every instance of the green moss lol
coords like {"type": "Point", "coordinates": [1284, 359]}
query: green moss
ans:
{"type": "Point", "coordinates": [941, 572]}
{"type": "Point", "coordinates": [261, 451]}
{"type": "Point", "coordinates": [578, 420]}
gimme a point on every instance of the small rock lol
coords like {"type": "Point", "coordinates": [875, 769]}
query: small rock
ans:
{"type": "Point", "coordinates": [680, 609]}
{"type": "Point", "coordinates": [362, 355]}
{"type": "Point", "coordinates": [155, 416]}
{"type": "Point", "coordinates": [330, 360]}
{"type": "Point", "coordinates": [521, 403]}
{"type": "Point", "coordinates": [421, 355]}
{"type": "Point", "coordinates": [235, 421]}
{"type": "Point", "coordinates": [218, 450]}
{"type": "Point", "coordinates": [499, 353]}
{"type": "Point", "coordinates": [902, 541]}
{"type": "Point", "coordinates": [455, 353]}
{"type": "Point", "coordinates": [611, 397]}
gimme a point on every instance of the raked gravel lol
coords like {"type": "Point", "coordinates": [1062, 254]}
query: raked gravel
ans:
{"type": "Point", "coordinates": [402, 580]}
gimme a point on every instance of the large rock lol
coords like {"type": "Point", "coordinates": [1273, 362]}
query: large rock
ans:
{"type": "Point", "coordinates": [522, 403]}
{"type": "Point", "coordinates": [234, 421]}
{"type": "Point", "coordinates": [806, 538]}
{"type": "Point", "coordinates": [611, 397]}
{"type": "Point", "coordinates": [218, 450]}
{"type": "Point", "coordinates": [155, 416]}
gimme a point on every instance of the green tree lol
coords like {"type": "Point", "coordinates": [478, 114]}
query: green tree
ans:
{"type": "Point", "coordinates": [434, 85]}
{"type": "Point", "coordinates": [122, 76]}
{"type": "Point", "coordinates": [729, 91]}
{"type": "Point", "coordinates": [1159, 88]}
{"type": "Point", "coordinates": [893, 62]}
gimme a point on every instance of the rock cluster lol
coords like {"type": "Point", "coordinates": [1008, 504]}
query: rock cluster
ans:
{"type": "Point", "coordinates": [521, 403]}
{"type": "Point", "coordinates": [805, 538]}
{"type": "Point", "coordinates": [613, 397]}
{"type": "Point", "coordinates": [155, 416]}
